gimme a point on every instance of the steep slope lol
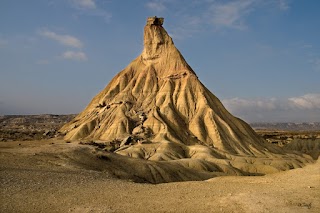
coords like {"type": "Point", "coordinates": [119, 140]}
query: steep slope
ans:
{"type": "Point", "coordinates": [158, 105]}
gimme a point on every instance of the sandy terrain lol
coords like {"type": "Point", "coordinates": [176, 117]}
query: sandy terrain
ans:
{"type": "Point", "coordinates": [48, 176]}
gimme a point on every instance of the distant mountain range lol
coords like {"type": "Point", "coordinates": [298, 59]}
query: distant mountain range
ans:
{"type": "Point", "coordinates": [285, 126]}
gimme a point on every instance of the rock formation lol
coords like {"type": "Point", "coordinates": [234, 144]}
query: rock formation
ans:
{"type": "Point", "coordinates": [160, 111]}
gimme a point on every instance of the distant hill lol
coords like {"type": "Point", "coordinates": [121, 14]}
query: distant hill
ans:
{"type": "Point", "coordinates": [286, 126]}
{"type": "Point", "coordinates": [31, 127]}
{"type": "Point", "coordinates": [33, 122]}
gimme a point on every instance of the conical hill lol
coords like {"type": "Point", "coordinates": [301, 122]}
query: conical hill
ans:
{"type": "Point", "coordinates": [160, 110]}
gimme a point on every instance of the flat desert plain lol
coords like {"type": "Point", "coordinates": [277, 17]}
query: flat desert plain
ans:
{"type": "Point", "coordinates": [55, 176]}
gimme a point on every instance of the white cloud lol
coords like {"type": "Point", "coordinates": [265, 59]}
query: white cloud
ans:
{"type": "Point", "coordinates": [221, 14]}
{"type": "Point", "coordinates": [75, 55]}
{"type": "Point", "coordinates": [190, 26]}
{"type": "Point", "coordinates": [156, 5]}
{"type": "Point", "coordinates": [100, 13]}
{"type": "Point", "coordinates": [241, 104]}
{"type": "Point", "coordinates": [89, 8]}
{"type": "Point", "coordinates": [301, 108]}
{"type": "Point", "coordinates": [67, 40]}
{"type": "Point", "coordinates": [308, 101]}
{"type": "Point", "coordinates": [283, 4]}
{"type": "Point", "coordinates": [231, 14]}
{"type": "Point", "coordinates": [84, 4]}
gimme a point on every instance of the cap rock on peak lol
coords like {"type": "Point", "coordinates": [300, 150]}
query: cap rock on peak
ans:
{"type": "Point", "coordinates": [155, 21]}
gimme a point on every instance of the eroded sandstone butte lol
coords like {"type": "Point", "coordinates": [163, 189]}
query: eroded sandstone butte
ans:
{"type": "Point", "coordinates": [161, 111]}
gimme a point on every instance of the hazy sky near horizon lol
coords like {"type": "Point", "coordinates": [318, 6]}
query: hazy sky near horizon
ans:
{"type": "Point", "coordinates": [261, 58]}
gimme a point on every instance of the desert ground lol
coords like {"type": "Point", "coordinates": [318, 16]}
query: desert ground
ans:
{"type": "Point", "coordinates": [52, 175]}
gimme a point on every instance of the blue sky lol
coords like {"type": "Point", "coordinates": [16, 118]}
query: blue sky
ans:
{"type": "Point", "coordinates": [261, 58]}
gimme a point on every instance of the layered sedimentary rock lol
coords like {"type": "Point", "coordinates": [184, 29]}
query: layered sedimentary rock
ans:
{"type": "Point", "coordinates": [160, 110]}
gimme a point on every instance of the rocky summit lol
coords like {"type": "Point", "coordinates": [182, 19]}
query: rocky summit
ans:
{"type": "Point", "coordinates": [157, 109]}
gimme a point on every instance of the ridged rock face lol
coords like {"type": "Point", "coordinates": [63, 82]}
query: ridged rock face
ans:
{"type": "Point", "coordinates": [158, 104]}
